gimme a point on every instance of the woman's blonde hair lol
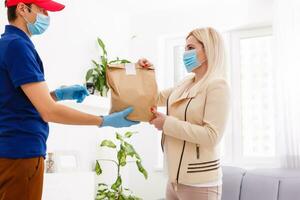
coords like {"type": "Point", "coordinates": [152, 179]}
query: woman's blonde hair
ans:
{"type": "Point", "coordinates": [213, 44]}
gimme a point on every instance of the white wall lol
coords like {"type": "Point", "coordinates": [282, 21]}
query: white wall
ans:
{"type": "Point", "coordinates": [70, 44]}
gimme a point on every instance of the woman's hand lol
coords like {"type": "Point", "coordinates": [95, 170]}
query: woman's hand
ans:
{"type": "Point", "coordinates": [144, 63]}
{"type": "Point", "coordinates": [159, 119]}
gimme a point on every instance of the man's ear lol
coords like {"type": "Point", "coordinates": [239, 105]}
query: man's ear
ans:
{"type": "Point", "coordinates": [22, 9]}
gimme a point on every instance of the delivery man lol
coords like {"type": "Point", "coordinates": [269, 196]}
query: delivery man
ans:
{"type": "Point", "coordinates": [26, 105]}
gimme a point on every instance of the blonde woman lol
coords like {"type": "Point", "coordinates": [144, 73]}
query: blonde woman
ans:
{"type": "Point", "coordinates": [197, 110]}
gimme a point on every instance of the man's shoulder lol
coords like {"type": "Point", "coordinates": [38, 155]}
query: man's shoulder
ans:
{"type": "Point", "coordinates": [14, 41]}
{"type": "Point", "coordinates": [16, 45]}
{"type": "Point", "coordinates": [18, 42]}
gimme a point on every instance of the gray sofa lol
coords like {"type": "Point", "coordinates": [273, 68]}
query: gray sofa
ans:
{"type": "Point", "coordinates": [260, 184]}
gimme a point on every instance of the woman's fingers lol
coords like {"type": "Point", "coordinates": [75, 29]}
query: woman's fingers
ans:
{"type": "Point", "coordinates": [156, 122]}
{"type": "Point", "coordinates": [152, 122]}
{"type": "Point", "coordinates": [155, 113]}
{"type": "Point", "coordinates": [153, 110]}
{"type": "Point", "coordinates": [158, 119]}
{"type": "Point", "coordinates": [144, 63]}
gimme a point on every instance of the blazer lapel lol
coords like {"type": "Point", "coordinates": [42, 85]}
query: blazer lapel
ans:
{"type": "Point", "coordinates": [181, 93]}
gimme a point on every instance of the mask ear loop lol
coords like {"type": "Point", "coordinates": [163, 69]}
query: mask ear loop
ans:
{"type": "Point", "coordinates": [203, 61]}
{"type": "Point", "coordinates": [30, 10]}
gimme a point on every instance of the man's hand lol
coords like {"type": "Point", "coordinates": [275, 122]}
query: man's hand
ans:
{"type": "Point", "coordinates": [119, 119]}
{"type": "Point", "coordinates": [159, 119]}
{"type": "Point", "coordinates": [74, 92]}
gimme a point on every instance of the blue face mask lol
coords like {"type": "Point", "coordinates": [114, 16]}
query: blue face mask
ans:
{"type": "Point", "coordinates": [40, 25]}
{"type": "Point", "coordinates": [191, 60]}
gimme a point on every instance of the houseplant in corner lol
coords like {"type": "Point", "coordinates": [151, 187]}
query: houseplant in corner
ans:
{"type": "Point", "coordinates": [124, 150]}
{"type": "Point", "coordinates": [96, 75]}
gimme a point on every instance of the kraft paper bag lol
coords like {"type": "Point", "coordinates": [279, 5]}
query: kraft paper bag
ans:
{"type": "Point", "coordinates": [132, 85]}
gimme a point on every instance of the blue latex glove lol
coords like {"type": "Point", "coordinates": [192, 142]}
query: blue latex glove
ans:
{"type": "Point", "coordinates": [119, 119]}
{"type": "Point", "coordinates": [74, 92]}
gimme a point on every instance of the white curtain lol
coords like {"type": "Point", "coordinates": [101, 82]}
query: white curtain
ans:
{"type": "Point", "coordinates": [287, 84]}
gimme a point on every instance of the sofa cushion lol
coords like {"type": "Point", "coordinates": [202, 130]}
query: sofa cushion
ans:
{"type": "Point", "coordinates": [289, 189]}
{"type": "Point", "coordinates": [232, 180]}
{"type": "Point", "coordinates": [289, 182]}
{"type": "Point", "coordinates": [259, 187]}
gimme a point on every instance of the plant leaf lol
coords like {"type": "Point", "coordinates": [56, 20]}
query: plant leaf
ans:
{"type": "Point", "coordinates": [99, 70]}
{"type": "Point", "coordinates": [98, 169]}
{"type": "Point", "coordinates": [101, 191]}
{"type": "Point", "coordinates": [122, 197]}
{"type": "Point", "coordinates": [104, 62]}
{"type": "Point", "coordinates": [129, 134]}
{"type": "Point", "coordinates": [124, 61]}
{"type": "Point", "coordinates": [102, 81]}
{"type": "Point", "coordinates": [96, 64]}
{"type": "Point", "coordinates": [127, 189]}
{"type": "Point", "coordinates": [108, 143]}
{"type": "Point", "coordinates": [102, 185]}
{"type": "Point", "coordinates": [102, 45]}
{"type": "Point", "coordinates": [119, 137]}
{"type": "Point", "coordinates": [97, 84]}
{"type": "Point", "coordinates": [104, 91]}
{"type": "Point", "coordinates": [117, 184]}
{"type": "Point", "coordinates": [129, 149]}
{"type": "Point", "coordinates": [100, 196]}
{"type": "Point", "coordinates": [142, 169]}
{"type": "Point", "coordinates": [131, 197]}
{"type": "Point", "coordinates": [111, 195]}
{"type": "Point", "coordinates": [118, 61]}
{"type": "Point", "coordinates": [89, 74]}
{"type": "Point", "coordinates": [112, 62]}
{"type": "Point", "coordinates": [122, 156]}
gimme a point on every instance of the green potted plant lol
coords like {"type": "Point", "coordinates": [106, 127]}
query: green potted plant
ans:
{"type": "Point", "coordinates": [96, 75]}
{"type": "Point", "coordinates": [124, 150]}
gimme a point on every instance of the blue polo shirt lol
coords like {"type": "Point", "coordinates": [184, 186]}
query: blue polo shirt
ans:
{"type": "Point", "coordinates": [23, 133]}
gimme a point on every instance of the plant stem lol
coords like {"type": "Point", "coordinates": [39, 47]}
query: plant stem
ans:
{"type": "Point", "coordinates": [119, 175]}
{"type": "Point", "coordinates": [110, 161]}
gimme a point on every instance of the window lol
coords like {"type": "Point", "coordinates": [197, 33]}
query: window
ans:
{"type": "Point", "coordinates": [179, 69]}
{"type": "Point", "coordinates": [253, 116]}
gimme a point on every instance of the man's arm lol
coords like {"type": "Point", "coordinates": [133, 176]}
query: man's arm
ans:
{"type": "Point", "coordinates": [50, 111]}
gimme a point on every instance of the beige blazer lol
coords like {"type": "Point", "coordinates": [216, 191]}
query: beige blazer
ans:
{"type": "Point", "coordinates": [193, 130]}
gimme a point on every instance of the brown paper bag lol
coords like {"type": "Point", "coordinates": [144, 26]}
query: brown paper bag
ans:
{"type": "Point", "coordinates": [132, 85]}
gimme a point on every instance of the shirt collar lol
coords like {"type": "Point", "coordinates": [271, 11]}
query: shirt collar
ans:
{"type": "Point", "coordinates": [10, 29]}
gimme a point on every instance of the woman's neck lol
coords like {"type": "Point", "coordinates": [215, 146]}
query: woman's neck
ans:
{"type": "Point", "coordinates": [200, 72]}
